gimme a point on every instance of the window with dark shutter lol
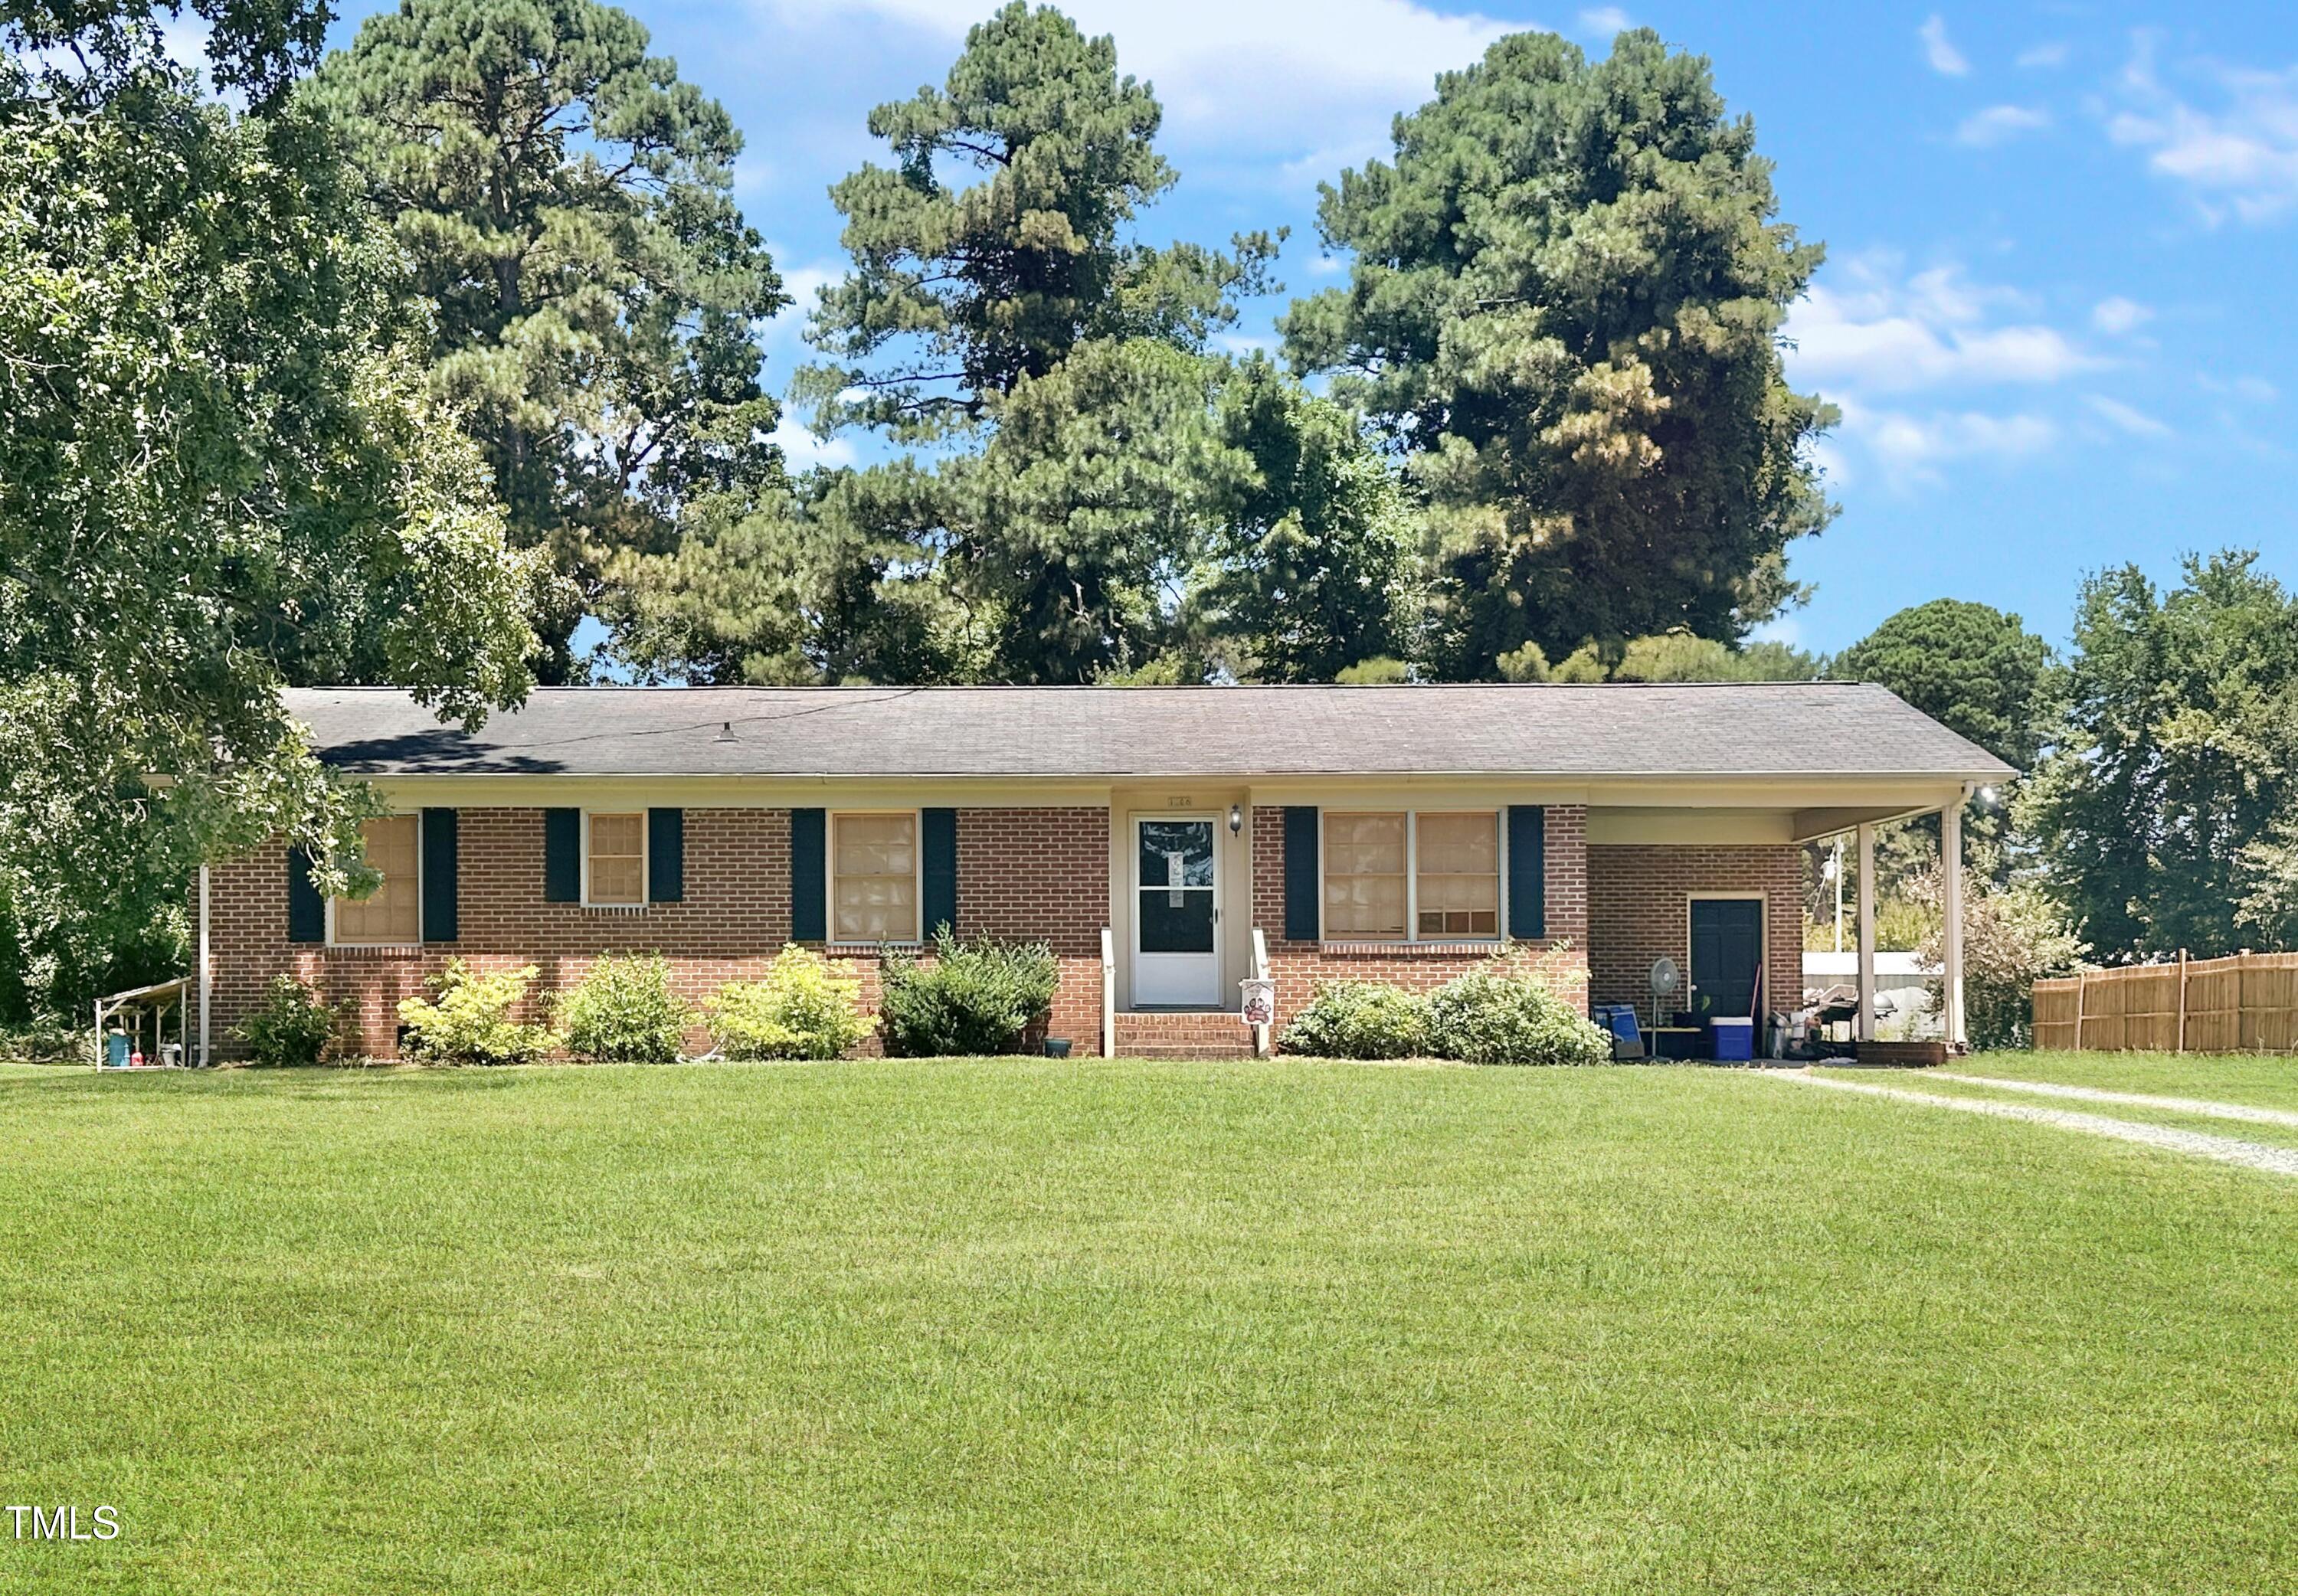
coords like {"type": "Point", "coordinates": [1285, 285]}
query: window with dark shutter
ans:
{"type": "Point", "coordinates": [666, 855]}
{"type": "Point", "coordinates": [307, 911]}
{"type": "Point", "coordinates": [809, 892]}
{"type": "Point", "coordinates": [938, 872]}
{"type": "Point", "coordinates": [440, 870]}
{"type": "Point", "coordinates": [1303, 889]}
{"type": "Point", "coordinates": [1527, 871]}
{"type": "Point", "coordinates": [562, 855]}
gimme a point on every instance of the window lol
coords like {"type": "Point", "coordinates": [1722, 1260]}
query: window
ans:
{"type": "Point", "coordinates": [614, 867]}
{"type": "Point", "coordinates": [873, 878]}
{"type": "Point", "coordinates": [392, 915]}
{"type": "Point", "coordinates": [1365, 876]}
{"type": "Point", "coordinates": [1457, 875]}
{"type": "Point", "coordinates": [1406, 876]}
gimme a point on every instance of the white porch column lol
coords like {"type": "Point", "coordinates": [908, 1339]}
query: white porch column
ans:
{"type": "Point", "coordinates": [207, 971]}
{"type": "Point", "coordinates": [1951, 912]}
{"type": "Point", "coordinates": [1867, 933]}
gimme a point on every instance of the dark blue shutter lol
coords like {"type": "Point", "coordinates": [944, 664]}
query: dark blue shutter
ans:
{"type": "Point", "coordinates": [1305, 888]}
{"type": "Point", "coordinates": [562, 855]}
{"type": "Point", "coordinates": [307, 911]}
{"type": "Point", "coordinates": [666, 855]}
{"type": "Point", "coordinates": [938, 872]}
{"type": "Point", "coordinates": [1527, 871]}
{"type": "Point", "coordinates": [439, 872]}
{"type": "Point", "coordinates": [809, 892]}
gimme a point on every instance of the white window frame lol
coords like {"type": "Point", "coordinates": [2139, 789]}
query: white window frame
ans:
{"type": "Point", "coordinates": [829, 876]}
{"type": "Point", "coordinates": [1412, 878]}
{"type": "Point", "coordinates": [335, 941]}
{"type": "Point", "coordinates": [646, 859]}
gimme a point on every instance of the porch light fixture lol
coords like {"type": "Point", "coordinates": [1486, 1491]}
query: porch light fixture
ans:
{"type": "Point", "coordinates": [1235, 819]}
{"type": "Point", "coordinates": [725, 732]}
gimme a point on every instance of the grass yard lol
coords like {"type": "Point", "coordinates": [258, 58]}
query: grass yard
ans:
{"type": "Point", "coordinates": [2261, 1081]}
{"type": "Point", "coordinates": [1040, 1326]}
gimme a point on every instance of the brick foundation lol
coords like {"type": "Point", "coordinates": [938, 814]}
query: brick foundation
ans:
{"type": "Point", "coordinates": [1038, 873]}
{"type": "Point", "coordinates": [1638, 902]}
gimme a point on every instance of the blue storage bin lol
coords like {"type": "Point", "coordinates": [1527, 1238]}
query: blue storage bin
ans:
{"type": "Point", "coordinates": [115, 1050]}
{"type": "Point", "coordinates": [1735, 1040]}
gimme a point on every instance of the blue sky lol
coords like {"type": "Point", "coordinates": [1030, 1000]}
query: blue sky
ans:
{"type": "Point", "coordinates": [2060, 237]}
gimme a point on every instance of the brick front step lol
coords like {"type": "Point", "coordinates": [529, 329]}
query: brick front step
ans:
{"type": "Point", "coordinates": [1185, 1035]}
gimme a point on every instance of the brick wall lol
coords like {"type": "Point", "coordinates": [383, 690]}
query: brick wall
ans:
{"type": "Point", "coordinates": [1638, 910]}
{"type": "Point", "coordinates": [1021, 873]}
{"type": "Point", "coordinates": [1297, 967]}
{"type": "Point", "coordinates": [1042, 875]}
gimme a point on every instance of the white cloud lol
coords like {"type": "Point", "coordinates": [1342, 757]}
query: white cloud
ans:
{"type": "Point", "coordinates": [1939, 50]}
{"type": "Point", "coordinates": [1269, 74]}
{"type": "Point", "coordinates": [1999, 124]}
{"type": "Point", "coordinates": [1604, 21]}
{"type": "Point", "coordinates": [2117, 316]}
{"type": "Point", "coordinates": [2257, 390]}
{"type": "Point", "coordinates": [2137, 423]}
{"type": "Point", "coordinates": [2237, 156]}
{"type": "Point", "coordinates": [1912, 447]}
{"type": "Point", "coordinates": [804, 450]}
{"type": "Point", "coordinates": [2051, 53]}
{"type": "Point", "coordinates": [1872, 333]}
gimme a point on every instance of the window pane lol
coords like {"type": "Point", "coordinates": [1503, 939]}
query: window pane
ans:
{"type": "Point", "coordinates": [617, 858]}
{"type": "Point", "coordinates": [1176, 853]}
{"type": "Point", "coordinates": [394, 914]}
{"type": "Point", "coordinates": [1364, 845]}
{"type": "Point", "coordinates": [1458, 858]}
{"type": "Point", "coordinates": [616, 834]}
{"type": "Point", "coordinates": [1177, 921]}
{"type": "Point", "coordinates": [873, 878]}
{"type": "Point", "coordinates": [1364, 876]}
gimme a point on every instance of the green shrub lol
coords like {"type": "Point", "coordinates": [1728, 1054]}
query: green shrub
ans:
{"type": "Point", "coordinates": [1487, 1018]}
{"type": "Point", "coordinates": [976, 997]}
{"type": "Point", "coordinates": [48, 1042]}
{"type": "Point", "coordinates": [806, 1007]}
{"type": "Point", "coordinates": [471, 1024]}
{"type": "Point", "coordinates": [622, 1012]}
{"type": "Point", "coordinates": [292, 1027]}
{"type": "Point", "coordinates": [1358, 1019]}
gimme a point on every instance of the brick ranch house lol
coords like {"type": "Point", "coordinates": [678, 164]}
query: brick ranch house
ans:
{"type": "Point", "coordinates": [1167, 842]}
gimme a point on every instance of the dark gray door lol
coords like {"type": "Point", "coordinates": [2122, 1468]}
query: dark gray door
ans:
{"type": "Point", "coordinates": [1727, 950]}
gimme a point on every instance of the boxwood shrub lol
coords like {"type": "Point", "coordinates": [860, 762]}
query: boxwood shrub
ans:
{"type": "Point", "coordinates": [976, 997]}
{"type": "Point", "coordinates": [1358, 1019]}
{"type": "Point", "coordinates": [1485, 1018]}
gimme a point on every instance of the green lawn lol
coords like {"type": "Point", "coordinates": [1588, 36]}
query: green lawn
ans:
{"type": "Point", "coordinates": [1026, 1326]}
{"type": "Point", "coordinates": [2261, 1080]}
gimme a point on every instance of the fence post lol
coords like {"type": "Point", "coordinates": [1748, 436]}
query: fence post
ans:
{"type": "Point", "coordinates": [2182, 1000]}
{"type": "Point", "coordinates": [2082, 988]}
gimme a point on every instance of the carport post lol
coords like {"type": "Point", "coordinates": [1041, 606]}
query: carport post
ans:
{"type": "Point", "coordinates": [1951, 913]}
{"type": "Point", "coordinates": [1867, 932]}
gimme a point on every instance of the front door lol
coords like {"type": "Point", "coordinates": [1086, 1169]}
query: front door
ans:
{"type": "Point", "coordinates": [1176, 945]}
{"type": "Point", "coordinates": [1727, 951]}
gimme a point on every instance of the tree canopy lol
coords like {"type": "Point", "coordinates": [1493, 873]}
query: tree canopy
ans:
{"type": "Point", "coordinates": [222, 471]}
{"type": "Point", "coordinates": [1564, 305]}
{"type": "Point", "coordinates": [565, 201]}
{"type": "Point", "coordinates": [1973, 668]}
{"type": "Point", "coordinates": [2168, 816]}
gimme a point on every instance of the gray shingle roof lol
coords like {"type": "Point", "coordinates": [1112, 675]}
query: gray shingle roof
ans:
{"type": "Point", "coordinates": [1575, 731]}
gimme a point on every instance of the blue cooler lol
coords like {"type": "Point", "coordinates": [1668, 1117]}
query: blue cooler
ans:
{"type": "Point", "coordinates": [1735, 1040]}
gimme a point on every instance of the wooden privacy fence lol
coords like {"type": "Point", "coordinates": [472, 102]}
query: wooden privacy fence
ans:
{"type": "Point", "coordinates": [2246, 1002]}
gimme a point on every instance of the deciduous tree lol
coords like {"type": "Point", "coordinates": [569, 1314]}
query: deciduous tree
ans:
{"type": "Point", "coordinates": [2165, 814]}
{"type": "Point", "coordinates": [221, 471]}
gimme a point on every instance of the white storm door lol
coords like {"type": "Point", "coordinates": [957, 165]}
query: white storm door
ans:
{"type": "Point", "coordinates": [1176, 941]}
